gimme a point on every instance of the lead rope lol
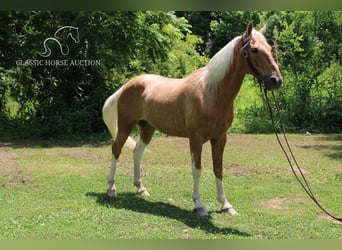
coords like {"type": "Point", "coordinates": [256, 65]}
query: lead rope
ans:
{"type": "Point", "coordinates": [301, 179]}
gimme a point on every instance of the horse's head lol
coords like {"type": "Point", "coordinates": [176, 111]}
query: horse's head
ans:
{"type": "Point", "coordinates": [258, 56]}
{"type": "Point", "coordinates": [74, 34]}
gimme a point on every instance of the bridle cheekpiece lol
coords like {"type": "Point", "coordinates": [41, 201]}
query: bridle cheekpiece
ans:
{"type": "Point", "coordinates": [245, 43]}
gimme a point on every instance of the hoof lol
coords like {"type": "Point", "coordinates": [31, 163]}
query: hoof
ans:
{"type": "Point", "coordinates": [231, 211]}
{"type": "Point", "coordinates": [143, 192]}
{"type": "Point", "coordinates": [112, 193]}
{"type": "Point", "coordinates": [200, 211]}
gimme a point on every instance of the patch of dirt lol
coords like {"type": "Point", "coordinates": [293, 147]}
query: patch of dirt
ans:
{"type": "Point", "coordinates": [8, 163]}
{"type": "Point", "coordinates": [238, 170]}
{"type": "Point", "coordinates": [282, 203]}
{"type": "Point", "coordinates": [327, 217]}
{"type": "Point", "coordinates": [79, 153]}
{"type": "Point", "coordinates": [9, 169]}
{"type": "Point", "coordinates": [298, 172]}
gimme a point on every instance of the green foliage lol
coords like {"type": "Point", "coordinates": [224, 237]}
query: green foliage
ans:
{"type": "Point", "coordinates": [4, 91]}
{"type": "Point", "coordinates": [228, 24]}
{"type": "Point", "coordinates": [55, 101]}
{"type": "Point", "coordinates": [183, 58]}
{"type": "Point", "coordinates": [308, 47]}
{"type": "Point", "coordinates": [250, 113]}
{"type": "Point", "coordinates": [47, 101]}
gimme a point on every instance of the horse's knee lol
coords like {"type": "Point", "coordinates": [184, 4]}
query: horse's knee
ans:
{"type": "Point", "coordinates": [196, 172]}
{"type": "Point", "coordinates": [116, 150]}
{"type": "Point", "coordinates": [218, 172]}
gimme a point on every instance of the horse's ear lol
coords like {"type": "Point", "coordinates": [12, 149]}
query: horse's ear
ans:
{"type": "Point", "coordinates": [263, 29]}
{"type": "Point", "coordinates": [249, 28]}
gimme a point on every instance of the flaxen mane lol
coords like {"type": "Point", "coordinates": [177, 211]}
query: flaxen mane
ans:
{"type": "Point", "coordinates": [219, 64]}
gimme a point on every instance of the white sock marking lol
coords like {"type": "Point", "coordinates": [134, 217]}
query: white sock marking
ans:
{"type": "Point", "coordinates": [111, 175]}
{"type": "Point", "coordinates": [196, 173]}
{"type": "Point", "coordinates": [138, 152]}
{"type": "Point", "coordinates": [222, 198]}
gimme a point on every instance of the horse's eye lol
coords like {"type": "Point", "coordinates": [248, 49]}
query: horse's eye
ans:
{"type": "Point", "coordinates": [254, 50]}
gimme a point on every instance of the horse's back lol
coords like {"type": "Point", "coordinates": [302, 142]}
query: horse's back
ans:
{"type": "Point", "coordinates": [154, 88]}
{"type": "Point", "coordinates": [156, 99]}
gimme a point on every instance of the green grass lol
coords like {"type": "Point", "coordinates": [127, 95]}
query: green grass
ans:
{"type": "Point", "coordinates": [56, 190]}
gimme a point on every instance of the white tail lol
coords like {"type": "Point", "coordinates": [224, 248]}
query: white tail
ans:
{"type": "Point", "coordinates": [110, 117]}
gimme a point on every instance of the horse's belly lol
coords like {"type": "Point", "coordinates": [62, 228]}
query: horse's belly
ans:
{"type": "Point", "coordinates": [173, 131]}
{"type": "Point", "coordinates": [167, 122]}
{"type": "Point", "coordinates": [167, 117]}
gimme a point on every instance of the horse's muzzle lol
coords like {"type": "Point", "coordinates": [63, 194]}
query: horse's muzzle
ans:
{"type": "Point", "coordinates": [273, 82]}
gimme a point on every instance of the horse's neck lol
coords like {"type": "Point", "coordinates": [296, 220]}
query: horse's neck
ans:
{"type": "Point", "coordinates": [224, 88]}
{"type": "Point", "coordinates": [229, 87]}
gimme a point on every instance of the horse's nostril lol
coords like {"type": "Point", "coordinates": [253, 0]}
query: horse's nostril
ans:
{"type": "Point", "coordinates": [274, 80]}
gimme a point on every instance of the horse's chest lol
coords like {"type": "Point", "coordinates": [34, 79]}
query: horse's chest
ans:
{"type": "Point", "coordinates": [214, 123]}
{"type": "Point", "coordinates": [219, 124]}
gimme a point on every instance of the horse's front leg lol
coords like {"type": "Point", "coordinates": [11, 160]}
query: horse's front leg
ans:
{"type": "Point", "coordinates": [146, 132]}
{"type": "Point", "coordinates": [217, 148]}
{"type": "Point", "coordinates": [137, 154]}
{"type": "Point", "coordinates": [196, 150]}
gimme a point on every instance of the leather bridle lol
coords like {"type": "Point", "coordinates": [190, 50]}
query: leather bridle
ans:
{"type": "Point", "coordinates": [245, 43]}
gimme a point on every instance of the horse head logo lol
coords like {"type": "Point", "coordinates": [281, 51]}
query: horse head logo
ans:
{"type": "Point", "coordinates": [61, 37]}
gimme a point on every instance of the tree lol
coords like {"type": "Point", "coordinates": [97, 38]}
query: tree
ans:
{"type": "Point", "coordinates": [308, 45]}
{"type": "Point", "coordinates": [57, 100]}
{"type": "Point", "coordinates": [49, 101]}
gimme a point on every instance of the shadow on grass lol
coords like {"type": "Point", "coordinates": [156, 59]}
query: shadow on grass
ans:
{"type": "Point", "coordinates": [332, 151]}
{"type": "Point", "coordinates": [136, 203]}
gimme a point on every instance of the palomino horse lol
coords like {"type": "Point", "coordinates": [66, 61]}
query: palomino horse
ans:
{"type": "Point", "coordinates": [198, 107]}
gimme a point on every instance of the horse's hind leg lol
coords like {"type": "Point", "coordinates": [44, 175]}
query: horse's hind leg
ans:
{"type": "Point", "coordinates": [146, 132]}
{"type": "Point", "coordinates": [111, 191]}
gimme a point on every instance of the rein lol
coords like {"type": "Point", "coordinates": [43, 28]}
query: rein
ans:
{"type": "Point", "coordinates": [300, 177]}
